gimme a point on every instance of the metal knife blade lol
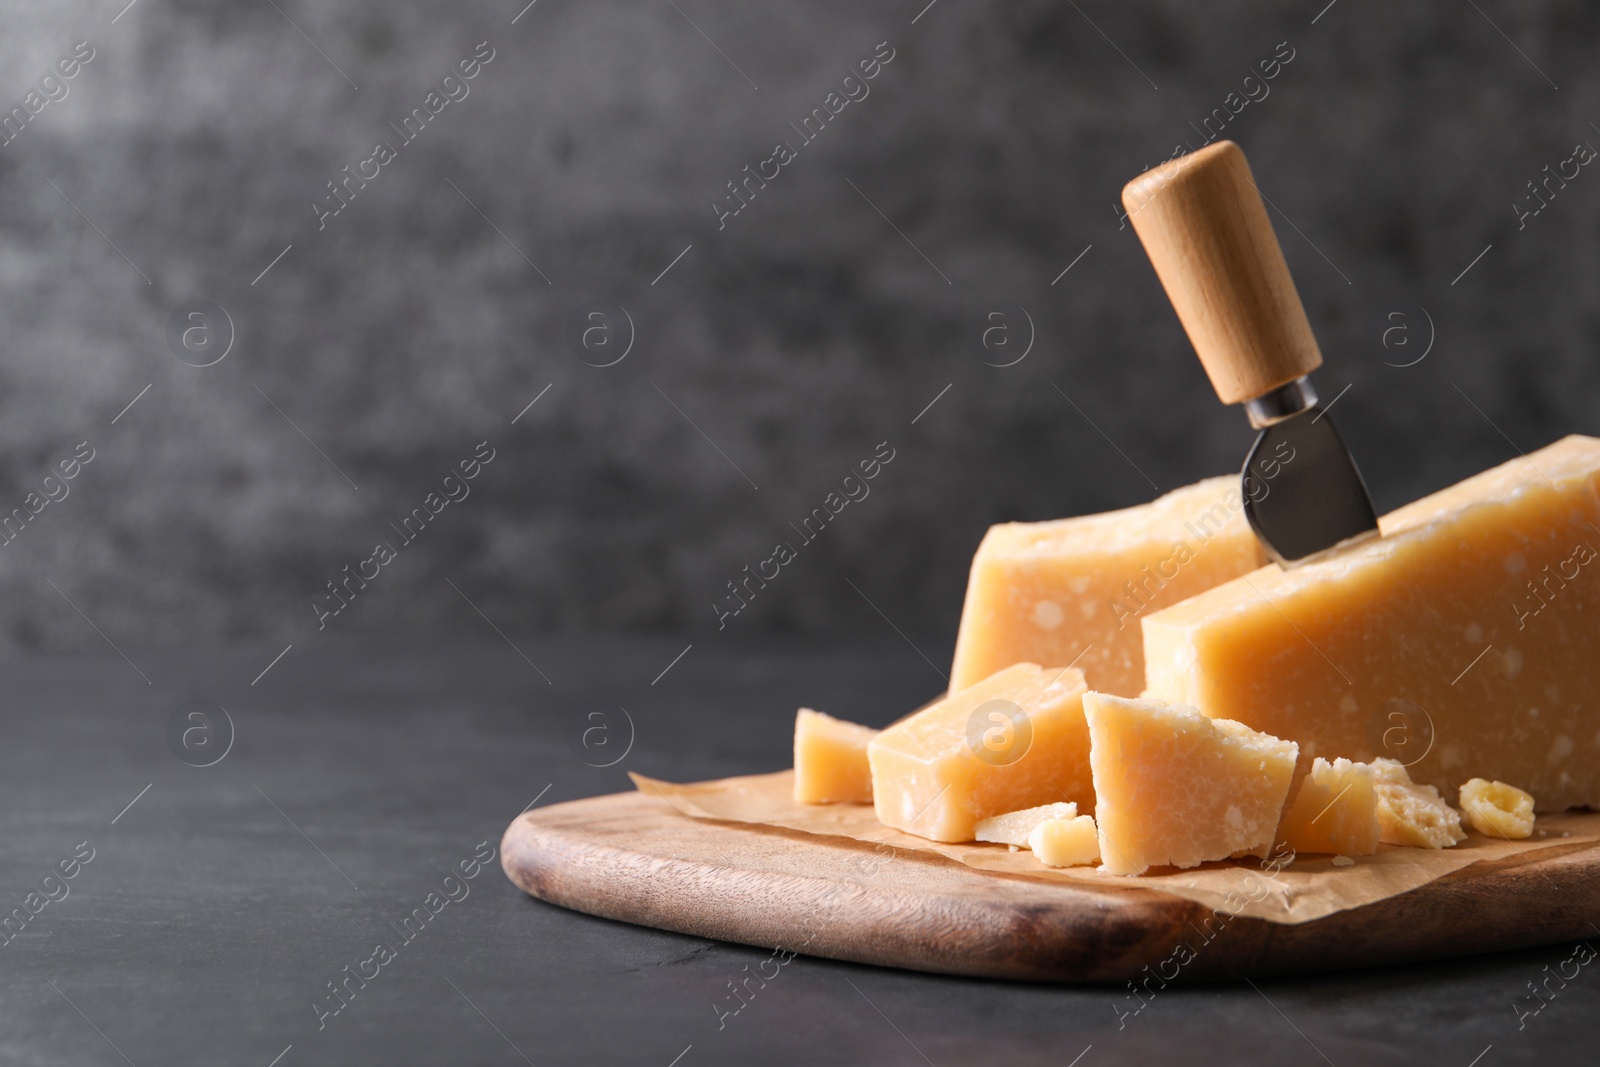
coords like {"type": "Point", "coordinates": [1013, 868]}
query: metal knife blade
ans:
{"type": "Point", "coordinates": [1303, 493]}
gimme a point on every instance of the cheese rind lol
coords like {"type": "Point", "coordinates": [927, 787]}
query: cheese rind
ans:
{"type": "Point", "coordinates": [830, 760]}
{"type": "Point", "coordinates": [1336, 810]}
{"type": "Point", "coordinates": [1015, 740]}
{"type": "Point", "coordinates": [1174, 788]}
{"type": "Point", "coordinates": [1496, 809]}
{"type": "Point", "coordinates": [1413, 814]}
{"type": "Point", "coordinates": [1072, 590]}
{"type": "Point", "coordinates": [1463, 640]}
{"type": "Point", "coordinates": [1073, 842]}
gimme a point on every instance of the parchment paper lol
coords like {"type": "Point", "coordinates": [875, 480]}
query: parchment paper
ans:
{"type": "Point", "coordinates": [1307, 888]}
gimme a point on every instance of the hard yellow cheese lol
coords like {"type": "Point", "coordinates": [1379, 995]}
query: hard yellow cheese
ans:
{"type": "Point", "coordinates": [1174, 788]}
{"type": "Point", "coordinates": [830, 760]}
{"type": "Point", "coordinates": [1013, 827]}
{"type": "Point", "coordinates": [1496, 809]}
{"type": "Point", "coordinates": [1335, 811]}
{"type": "Point", "coordinates": [1074, 589]}
{"type": "Point", "coordinates": [1469, 631]}
{"type": "Point", "coordinates": [1412, 814]}
{"type": "Point", "coordinates": [1014, 740]}
{"type": "Point", "coordinates": [1070, 842]}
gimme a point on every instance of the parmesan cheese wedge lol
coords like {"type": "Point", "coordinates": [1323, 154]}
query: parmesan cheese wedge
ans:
{"type": "Point", "coordinates": [1412, 814]}
{"type": "Point", "coordinates": [1336, 810]}
{"type": "Point", "coordinates": [1465, 640]}
{"type": "Point", "coordinates": [830, 760]}
{"type": "Point", "coordinates": [1013, 827]}
{"type": "Point", "coordinates": [1073, 590]}
{"type": "Point", "coordinates": [1175, 788]}
{"type": "Point", "coordinates": [1014, 740]}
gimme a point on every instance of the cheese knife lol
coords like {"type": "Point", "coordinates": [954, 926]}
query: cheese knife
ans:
{"type": "Point", "coordinates": [1203, 224]}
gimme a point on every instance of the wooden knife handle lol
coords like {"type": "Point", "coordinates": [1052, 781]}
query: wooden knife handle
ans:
{"type": "Point", "coordinates": [1205, 229]}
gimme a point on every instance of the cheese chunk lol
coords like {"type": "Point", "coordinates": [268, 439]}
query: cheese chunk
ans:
{"type": "Point", "coordinates": [1465, 640]}
{"type": "Point", "coordinates": [1496, 809]}
{"type": "Point", "coordinates": [1174, 788]}
{"type": "Point", "coordinates": [1070, 842]}
{"type": "Point", "coordinates": [1044, 592]}
{"type": "Point", "coordinates": [830, 760]}
{"type": "Point", "coordinates": [1013, 827]}
{"type": "Point", "coordinates": [1012, 741]}
{"type": "Point", "coordinates": [1412, 814]}
{"type": "Point", "coordinates": [1335, 811]}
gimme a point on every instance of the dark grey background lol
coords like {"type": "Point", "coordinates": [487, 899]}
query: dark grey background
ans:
{"type": "Point", "coordinates": [808, 330]}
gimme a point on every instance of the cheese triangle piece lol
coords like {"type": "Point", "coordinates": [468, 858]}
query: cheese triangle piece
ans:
{"type": "Point", "coordinates": [1175, 788]}
{"type": "Point", "coordinates": [1336, 810]}
{"type": "Point", "coordinates": [1014, 740]}
{"type": "Point", "coordinates": [830, 760]}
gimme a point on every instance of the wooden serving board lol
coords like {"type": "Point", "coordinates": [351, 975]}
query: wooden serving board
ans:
{"type": "Point", "coordinates": [633, 857]}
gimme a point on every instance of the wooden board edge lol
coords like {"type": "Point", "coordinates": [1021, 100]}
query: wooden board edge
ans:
{"type": "Point", "coordinates": [1091, 936]}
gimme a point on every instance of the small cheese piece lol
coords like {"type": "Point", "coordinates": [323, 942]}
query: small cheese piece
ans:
{"type": "Point", "coordinates": [1013, 827]}
{"type": "Point", "coordinates": [1052, 592]}
{"type": "Point", "coordinates": [1174, 788]}
{"type": "Point", "coordinates": [1012, 741]}
{"type": "Point", "coordinates": [1335, 811]}
{"type": "Point", "coordinates": [1412, 814]}
{"type": "Point", "coordinates": [1070, 842]}
{"type": "Point", "coordinates": [1496, 809]}
{"type": "Point", "coordinates": [1462, 641]}
{"type": "Point", "coordinates": [830, 760]}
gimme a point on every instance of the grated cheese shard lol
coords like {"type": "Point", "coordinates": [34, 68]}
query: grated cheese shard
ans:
{"type": "Point", "coordinates": [1412, 814]}
{"type": "Point", "coordinates": [1013, 827]}
{"type": "Point", "coordinates": [1175, 788]}
{"type": "Point", "coordinates": [830, 760]}
{"type": "Point", "coordinates": [1070, 842]}
{"type": "Point", "coordinates": [1462, 641]}
{"type": "Point", "coordinates": [1014, 740]}
{"type": "Point", "coordinates": [1335, 811]}
{"type": "Point", "coordinates": [1495, 809]}
{"type": "Point", "coordinates": [1052, 592]}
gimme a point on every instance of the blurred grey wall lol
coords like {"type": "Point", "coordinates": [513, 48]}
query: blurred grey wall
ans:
{"type": "Point", "coordinates": [577, 174]}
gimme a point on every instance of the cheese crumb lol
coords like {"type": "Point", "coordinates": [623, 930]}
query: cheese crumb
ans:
{"type": "Point", "coordinates": [1411, 814]}
{"type": "Point", "coordinates": [1496, 809]}
{"type": "Point", "coordinates": [1071, 842]}
{"type": "Point", "coordinates": [1343, 861]}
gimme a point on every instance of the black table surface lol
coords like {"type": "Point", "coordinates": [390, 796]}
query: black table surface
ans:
{"type": "Point", "coordinates": [221, 901]}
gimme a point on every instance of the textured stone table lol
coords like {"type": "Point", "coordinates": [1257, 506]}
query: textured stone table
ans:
{"type": "Point", "coordinates": [217, 907]}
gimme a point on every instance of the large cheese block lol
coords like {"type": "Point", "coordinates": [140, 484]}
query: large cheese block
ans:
{"type": "Point", "coordinates": [1174, 788]}
{"type": "Point", "coordinates": [1015, 740]}
{"type": "Point", "coordinates": [1073, 590]}
{"type": "Point", "coordinates": [1464, 642]}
